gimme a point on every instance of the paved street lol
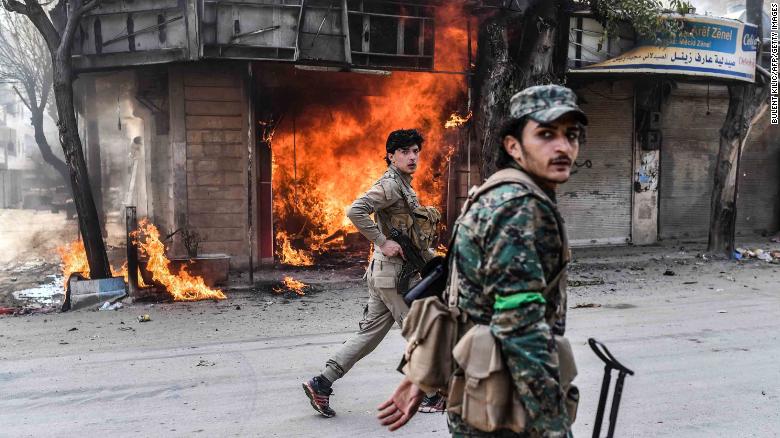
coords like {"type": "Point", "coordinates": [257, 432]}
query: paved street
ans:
{"type": "Point", "coordinates": [706, 359]}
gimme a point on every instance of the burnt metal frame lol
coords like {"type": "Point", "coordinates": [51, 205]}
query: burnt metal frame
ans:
{"type": "Point", "coordinates": [611, 364]}
{"type": "Point", "coordinates": [237, 50]}
{"type": "Point", "coordinates": [240, 49]}
{"type": "Point", "coordinates": [141, 31]}
{"type": "Point", "coordinates": [424, 20]}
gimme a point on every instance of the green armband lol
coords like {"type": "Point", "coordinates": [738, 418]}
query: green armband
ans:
{"type": "Point", "coordinates": [514, 301]}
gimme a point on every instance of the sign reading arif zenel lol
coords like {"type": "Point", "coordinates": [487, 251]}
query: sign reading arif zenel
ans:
{"type": "Point", "coordinates": [713, 47]}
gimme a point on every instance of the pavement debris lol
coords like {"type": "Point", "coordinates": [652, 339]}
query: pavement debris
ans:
{"type": "Point", "coordinates": [144, 318]}
{"type": "Point", "coordinates": [669, 273]}
{"type": "Point", "coordinates": [585, 282]}
{"type": "Point", "coordinates": [108, 306]}
{"type": "Point", "coordinates": [205, 363]}
{"type": "Point", "coordinates": [586, 306]}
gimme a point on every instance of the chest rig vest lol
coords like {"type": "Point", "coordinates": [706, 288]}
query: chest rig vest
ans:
{"type": "Point", "coordinates": [415, 221]}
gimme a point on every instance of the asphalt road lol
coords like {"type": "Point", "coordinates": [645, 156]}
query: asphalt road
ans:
{"type": "Point", "coordinates": [706, 362]}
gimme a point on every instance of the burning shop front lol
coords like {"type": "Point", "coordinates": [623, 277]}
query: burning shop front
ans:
{"type": "Point", "coordinates": [260, 143]}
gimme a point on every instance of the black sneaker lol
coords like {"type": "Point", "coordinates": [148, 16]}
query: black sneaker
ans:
{"type": "Point", "coordinates": [319, 397]}
{"type": "Point", "coordinates": [431, 404]}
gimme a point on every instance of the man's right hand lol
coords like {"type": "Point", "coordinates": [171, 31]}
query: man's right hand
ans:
{"type": "Point", "coordinates": [391, 248]}
{"type": "Point", "coordinates": [401, 406]}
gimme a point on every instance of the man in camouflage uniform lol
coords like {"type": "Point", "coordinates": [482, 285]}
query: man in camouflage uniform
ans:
{"type": "Point", "coordinates": [508, 247]}
{"type": "Point", "coordinates": [392, 200]}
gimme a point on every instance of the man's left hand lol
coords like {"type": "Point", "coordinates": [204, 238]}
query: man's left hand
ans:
{"type": "Point", "coordinates": [401, 406]}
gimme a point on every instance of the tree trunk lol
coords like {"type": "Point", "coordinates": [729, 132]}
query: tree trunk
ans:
{"type": "Point", "coordinates": [723, 211]}
{"type": "Point", "coordinates": [747, 102]}
{"type": "Point", "coordinates": [45, 148]}
{"type": "Point", "coordinates": [515, 51]}
{"type": "Point", "coordinates": [89, 223]}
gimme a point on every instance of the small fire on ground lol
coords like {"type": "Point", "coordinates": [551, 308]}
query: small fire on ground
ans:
{"type": "Point", "coordinates": [290, 284]}
{"type": "Point", "coordinates": [182, 286]}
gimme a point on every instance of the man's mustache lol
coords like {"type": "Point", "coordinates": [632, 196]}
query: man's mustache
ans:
{"type": "Point", "coordinates": [561, 161]}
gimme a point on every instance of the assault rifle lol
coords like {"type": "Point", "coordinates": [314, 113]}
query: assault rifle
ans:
{"type": "Point", "coordinates": [434, 280]}
{"type": "Point", "coordinates": [414, 262]}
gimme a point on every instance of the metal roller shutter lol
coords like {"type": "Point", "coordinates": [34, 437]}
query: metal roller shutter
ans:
{"type": "Point", "coordinates": [758, 204]}
{"type": "Point", "coordinates": [596, 202]}
{"type": "Point", "coordinates": [688, 155]}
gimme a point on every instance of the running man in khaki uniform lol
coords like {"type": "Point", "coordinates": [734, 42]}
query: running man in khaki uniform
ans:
{"type": "Point", "coordinates": [391, 200]}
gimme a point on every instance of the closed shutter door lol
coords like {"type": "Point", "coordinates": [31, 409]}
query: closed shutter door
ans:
{"type": "Point", "coordinates": [596, 202]}
{"type": "Point", "coordinates": [759, 181]}
{"type": "Point", "coordinates": [688, 155]}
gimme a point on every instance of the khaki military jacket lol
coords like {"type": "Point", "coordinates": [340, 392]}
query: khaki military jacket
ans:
{"type": "Point", "coordinates": [385, 199]}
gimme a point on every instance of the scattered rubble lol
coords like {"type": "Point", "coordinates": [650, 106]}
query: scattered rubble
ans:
{"type": "Point", "coordinates": [771, 256]}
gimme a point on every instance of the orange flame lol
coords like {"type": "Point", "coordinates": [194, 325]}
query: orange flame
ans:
{"type": "Point", "coordinates": [292, 285]}
{"type": "Point", "coordinates": [183, 287]}
{"type": "Point", "coordinates": [122, 272]}
{"type": "Point", "coordinates": [456, 120]}
{"type": "Point", "coordinates": [74, 259]}
{"type": "Point", "coordinates": [290, 256]}
{"type": "Point", "coordinates": [331, 151]}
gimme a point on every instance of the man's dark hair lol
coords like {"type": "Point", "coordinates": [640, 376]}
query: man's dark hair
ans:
{"type": "Point", "coordinates": [514, 127]}
{"type": "Point", "coordinates": [401, 139]}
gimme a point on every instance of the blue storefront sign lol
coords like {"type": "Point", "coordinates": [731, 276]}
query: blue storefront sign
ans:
{"type": "Point", "coordinates": [714, 47]}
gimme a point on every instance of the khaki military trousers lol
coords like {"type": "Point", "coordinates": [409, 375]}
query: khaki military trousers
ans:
{"type": "Point", "coordinates": [385, 307]}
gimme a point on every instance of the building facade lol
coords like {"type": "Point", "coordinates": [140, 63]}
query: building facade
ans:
{"type": "Point", "coordinates": [183, 100]}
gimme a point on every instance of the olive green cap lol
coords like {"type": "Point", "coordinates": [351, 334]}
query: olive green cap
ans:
{"type": "Point", "coordinates": [545, 104]}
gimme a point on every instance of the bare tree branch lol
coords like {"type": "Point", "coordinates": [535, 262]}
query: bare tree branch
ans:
{"type": "Point", "coordinates": [24, 101]}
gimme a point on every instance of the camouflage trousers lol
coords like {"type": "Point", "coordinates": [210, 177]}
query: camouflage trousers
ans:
{"type": "Point", "coordinates": [459, 429]}
{"type": "Point", "coordinates": [536, 375]}
{"type": "Point", "coordinates": [385, 307]}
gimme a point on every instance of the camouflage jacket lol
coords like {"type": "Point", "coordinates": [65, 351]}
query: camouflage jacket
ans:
{"type": "Point", "coordinates": [507, 249]}
{"type": "Point", "coordinates": [384, 199]}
